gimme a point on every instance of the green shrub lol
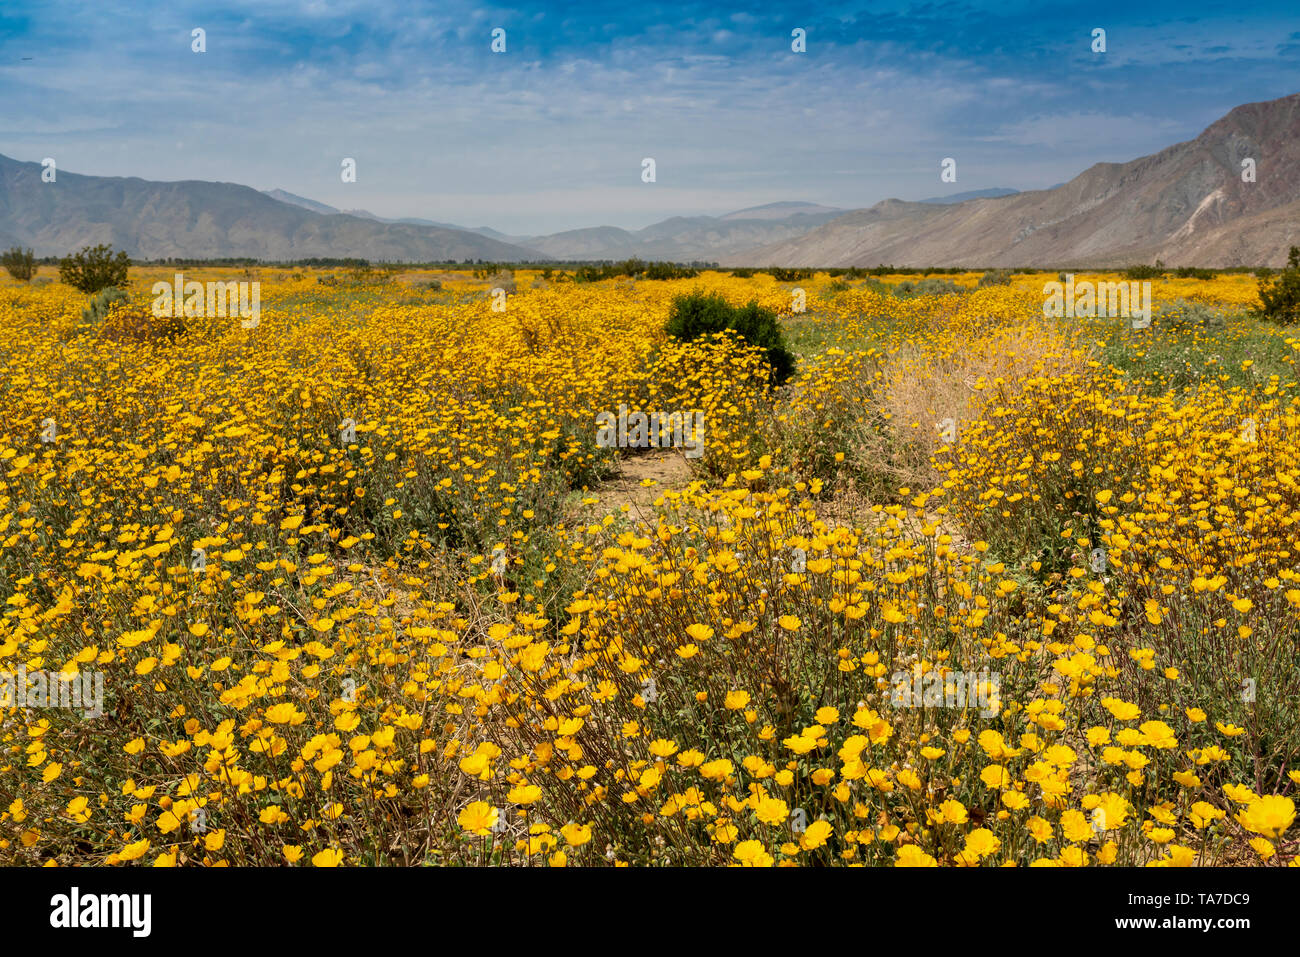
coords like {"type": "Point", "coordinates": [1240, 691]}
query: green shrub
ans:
{"type": "Point", "coordinates": [96, 310]}
{"type": "Point", "coordinates": [635, 269]}
{"type": "Point", "coordinates": [20, 263]}
{"type": "Point", "coordinates": [742, 273]}
{"type": "Point", "coordinates": [696, 314]}
{"type": "Point", "coordinates": [1182, 314]}
{"type": "Point", "coordinates": [1191, 272]}
{"type": "Point", "coordinates": [669, 271]}
{"type": "Point", "coordinates": [1279, 296]}
{"type": "Point", "coordinates": [365, 274]}
{"type": "Point", "coordinates": [95, 268]}
{"type": "Point", "coordinates": [927, 287]}
{"type": "Point", "coordinates": [1145, 272]}
{"type": "Point", "coordinates": [790, 275]}
{"type": "Point", "coordinates": [995, 277]}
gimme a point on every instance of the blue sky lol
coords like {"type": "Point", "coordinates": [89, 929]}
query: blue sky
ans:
{"type": "Point", "coordinates": [550, 135]}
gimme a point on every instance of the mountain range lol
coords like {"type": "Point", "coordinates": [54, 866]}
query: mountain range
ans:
{"type": "Point", "coordinates": [1231, 196]}
{"type": "Point", "coordinates": [679, 239]}
{"type": "Point", "coordinates": [1193, 203]}
{"type": "Point", "coordinates": [196, 219]}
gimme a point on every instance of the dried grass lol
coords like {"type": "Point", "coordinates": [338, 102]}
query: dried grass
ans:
{"type": "Point", "coordinates": [922, 388]}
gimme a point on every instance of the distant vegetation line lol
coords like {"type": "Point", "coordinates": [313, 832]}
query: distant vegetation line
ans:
{"type": "Point", "coordinates": [608, 268]}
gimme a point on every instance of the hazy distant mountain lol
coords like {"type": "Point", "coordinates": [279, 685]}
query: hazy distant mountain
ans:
{"type": "Point", "coordinates": [415, 221]}
{"type": "Point", "coordinates": [285, 196]}
{"type": "Point", "coordinates": [989, 193]}
{"type": "Point", "coordinates": [196, 219]}
{"type": "Point", "coordinates": [782, 211]}
{"type": "Point", "coordinates": [593, 242]}
{"type": "Point", "coordinates": [679, 239]}
{"type": "Point", "coordinates": [480, 230]}
{"type": "Point", "coordinates": [1186, 205]}
{"type": "Point", "coordinates": [688, 238]}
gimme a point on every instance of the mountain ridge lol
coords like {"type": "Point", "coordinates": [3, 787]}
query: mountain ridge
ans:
{"type": "Point", "coordinates": [1186, 205]}
{"type": "Point", "coordinates": [199, 219]}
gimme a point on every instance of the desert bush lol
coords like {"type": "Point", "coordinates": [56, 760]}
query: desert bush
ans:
{"type": "Point", "coordinates": [995, 277]}
{"type": "Point", "coordinates": [503, 279]}
{"type": "Point", "coordinates": [697, 314]}
{"type": "Point", "coordinates": [1279, 296]}
{"type": "Point", "coordinates": [96, 310]}
{"type": "Point", "coordinates": [112, 314]}
{"type": "Point", "coordinates": [363, 274]}
{"type": "Point", "coordinates": [635, 269]}
{"type": "Point", "coordinates": [20, 263]}
{"type": "Point", "coordinates": [669, 271]}
{"type": "Point", "coordinates": [927, 287]}
{"type": "Point", "coordinates": [128, 320]}
{"type": "Point", "coordinates": [94, 268]}
{"type": "Point", "coordinates": [1188, 313]}
{"type": "Point", "coordinates": [790, 275]}
{"type": "Point", "coordinates": [1145, 272]}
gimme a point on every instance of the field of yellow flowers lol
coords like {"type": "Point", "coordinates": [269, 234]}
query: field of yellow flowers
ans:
{"type": "Point", "coordinates": [976, 587]}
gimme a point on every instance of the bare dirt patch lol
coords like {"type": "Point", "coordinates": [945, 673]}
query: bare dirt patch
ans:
{"type": "Point", "coordinates": [664, 469]}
